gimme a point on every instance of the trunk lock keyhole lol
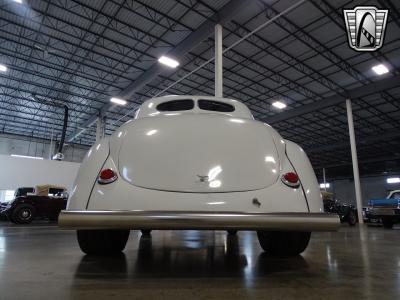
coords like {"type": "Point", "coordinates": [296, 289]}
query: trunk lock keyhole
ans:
{"type": "Point", "coordinates": [256, 202]}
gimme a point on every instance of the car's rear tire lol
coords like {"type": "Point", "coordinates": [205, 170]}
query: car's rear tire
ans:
{"type": "Point", "coordinates": [102, 242]}
{"type": "Point", "coordinates": [283, 243]}
{"type": "Point", "coordinates": [23, 214]}
{"type": "Point", "coordinates": [387, 223]}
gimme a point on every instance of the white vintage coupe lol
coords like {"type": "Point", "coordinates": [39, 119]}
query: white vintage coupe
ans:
{"type": "Point", "coordinates": [194, 162]}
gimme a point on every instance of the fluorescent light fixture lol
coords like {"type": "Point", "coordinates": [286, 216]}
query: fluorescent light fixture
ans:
{"type": "Point", "coordinates": [26, 156]}
{"type": "Point", "coordinates": [325, 185]}
{"type": "Point", "coordinates": [165, 60]}
{"type": "Point", "coordinates": [236, 120]}
{"type": "Point", "coordinates": [213, 173]}
{"type": "Point", "coordinates": [393, 180]}
{"type": "Point", "coordinates": [380, 69]}
{"type": "Point", "coordinates": [3, 68]}
{"type": "Point", "coordinates": [216, 203]}
{"type": "Point", "coordinates": [270, 159]}
{"type": "Point", "coordinates": [118, 101]}
{"type": "Point", "coordinates": [215, 184]}
{"type": "Point", "coordinates": [18, 1]}
{"type": "Point", "coordinates": [151, 132]}
{"type": "Point", "coordinates": [279, 104]}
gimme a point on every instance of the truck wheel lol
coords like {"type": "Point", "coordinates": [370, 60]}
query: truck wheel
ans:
{"type": "Point", "coordinates": [352, 218]}
{"type": "Point", "coordinates": [102, 242]}
{"type": "Point", "coordinates": [283, 243]}
{"type": "Point", "coordinates": [23, 214]}
{"type": "Point", "coordinates": [387, 223]}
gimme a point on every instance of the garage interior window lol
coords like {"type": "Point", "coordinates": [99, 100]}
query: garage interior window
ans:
{"type": "Point", "coordinates": [215, 106]}
{"type": "Point", "coordinates": [55, 192]}
{"type": "Point", "coordinates": [176, 105]}
{"type": "Point", "coordinates": [6, 195]}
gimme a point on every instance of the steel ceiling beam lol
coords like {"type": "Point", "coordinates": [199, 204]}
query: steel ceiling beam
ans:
{"type": "Point", "coordinates": [362, 91]}
{"type": "Point", "coordinates": [225, 14]}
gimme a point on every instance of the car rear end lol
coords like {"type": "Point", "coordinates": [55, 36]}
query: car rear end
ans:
{"type": "Point", "coordinates": [388, 210]}
{"type": "Point", "coordinates": [196, 170]}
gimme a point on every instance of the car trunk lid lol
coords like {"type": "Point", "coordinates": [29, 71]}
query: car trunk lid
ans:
{"type": "Point", "coordinates": [198, 153]}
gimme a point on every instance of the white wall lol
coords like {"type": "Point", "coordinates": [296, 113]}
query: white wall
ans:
{"type": "Point", "coordinates": [17, 172]}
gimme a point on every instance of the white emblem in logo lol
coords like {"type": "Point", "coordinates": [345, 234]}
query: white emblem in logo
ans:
{"type": "Point", "coordinates": [365, 27]}
{"type": "Point", "coordinates": [203, 178]}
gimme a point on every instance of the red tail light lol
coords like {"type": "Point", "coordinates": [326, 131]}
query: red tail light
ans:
{"type": "Point", "coordinates": [291, 179]}
{"type": "Point", "coordinates": [107, 176]}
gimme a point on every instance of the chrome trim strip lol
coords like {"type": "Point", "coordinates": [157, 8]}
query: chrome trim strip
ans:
{"type": "Point", "coordinates": [198, 220]}
{"type": "Point", "coordinates": [384, 211]}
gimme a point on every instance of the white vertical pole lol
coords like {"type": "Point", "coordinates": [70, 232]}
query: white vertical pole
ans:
{"type": "Point", "coordinates": [354, 160]}
{"type": "Point", "coordinates": [99, 128]}
{"type": "Point", "coordinates": [323, 174]}
{"type": "Point", "coordinates": [218, 61]}
{"type": "Point", "coordinates": [103, 126]}
{"type": "Point", "coordinates": [51, 144]}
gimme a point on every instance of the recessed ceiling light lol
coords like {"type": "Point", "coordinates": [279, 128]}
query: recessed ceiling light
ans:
{"type": "Point", "coordinates": [165, 60]}
{"type": "Point", "coordinates": [380, 69]}
{"type": "Point", "coordinates": [393, 180]}
{"type": "Point", "coordinates": [279, 104]}
{"type": "Point", "coordinates": [3, 68]}
{"type": "Point", "coordinates": [151, 132]}
{"type": "Point", "coordinates": [118, 101]}
{"type": "Point", "coordinates": [26, 156]}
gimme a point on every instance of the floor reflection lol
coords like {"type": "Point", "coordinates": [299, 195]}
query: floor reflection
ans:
{"type": "Point", "coordinates": [360, 264]}
{"type": "Point", "coordinates": [98, 266]}
{"type": "Point", "coordinates": [194, 254]}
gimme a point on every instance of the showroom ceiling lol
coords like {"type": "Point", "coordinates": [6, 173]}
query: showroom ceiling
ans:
{"type": "Point", "coordinates": [84, 52]}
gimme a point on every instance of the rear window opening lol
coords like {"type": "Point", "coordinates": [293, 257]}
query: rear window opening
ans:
{"type": "Point", "coordinates": [176, 105]}
{"type": "Point", "coordinates": [215, 106]}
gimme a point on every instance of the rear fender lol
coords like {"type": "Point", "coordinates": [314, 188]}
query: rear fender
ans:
{"type": "Point", "coordinates": [87, 175]}
{"type": "Point", "coordinates": [300, 162]}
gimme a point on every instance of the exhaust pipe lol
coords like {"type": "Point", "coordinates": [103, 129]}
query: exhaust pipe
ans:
{"type": "Point", "coordinates": [59, 155]}
{"type": "Point", "coordinates": [64, 130]}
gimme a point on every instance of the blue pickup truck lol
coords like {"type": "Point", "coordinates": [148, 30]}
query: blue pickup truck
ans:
{"type": "Point", "coordinates": [387, 209]}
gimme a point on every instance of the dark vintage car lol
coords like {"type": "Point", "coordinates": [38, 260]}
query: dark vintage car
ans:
{"type": "Point", "coordinates": [43, 201]}
{"type": "Point", "coordinates": [347, 212]}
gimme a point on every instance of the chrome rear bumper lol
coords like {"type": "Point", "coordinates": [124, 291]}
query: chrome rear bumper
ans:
{"type": "Point", "coordinates": [198, 220]}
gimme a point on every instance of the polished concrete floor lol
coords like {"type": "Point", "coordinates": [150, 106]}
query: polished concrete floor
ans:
{"type": "Point", "coordinates": [42, 262]}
